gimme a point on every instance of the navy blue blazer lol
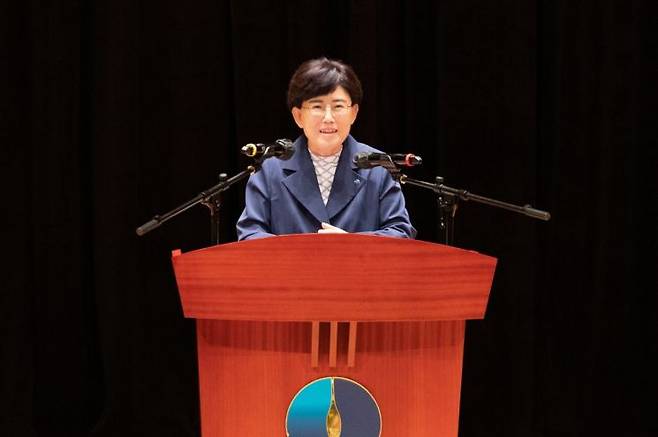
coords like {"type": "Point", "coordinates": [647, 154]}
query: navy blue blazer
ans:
{"type": "Point", "coordinates": [284, 198]}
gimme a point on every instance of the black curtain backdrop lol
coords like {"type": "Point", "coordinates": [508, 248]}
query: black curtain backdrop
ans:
{"type": "Point", "coordinates": [117, 110]}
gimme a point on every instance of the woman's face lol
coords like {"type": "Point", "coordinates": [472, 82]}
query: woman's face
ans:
{"type": "Point", "coordinates": [326, 121]}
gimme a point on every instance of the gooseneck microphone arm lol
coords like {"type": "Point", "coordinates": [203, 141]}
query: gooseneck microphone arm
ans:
{"type": "Point", "coordinates": [440, 188]}
{"type": "Point", "coordinates": [209, 197]}
{"type": "Point", "coordinates": [282, 149]}
{"type": "Point", "coordinates": [448, 198]}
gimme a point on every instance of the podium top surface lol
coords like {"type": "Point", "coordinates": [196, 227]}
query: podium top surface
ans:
{"type": "Point", "coordinates": [337, 277]}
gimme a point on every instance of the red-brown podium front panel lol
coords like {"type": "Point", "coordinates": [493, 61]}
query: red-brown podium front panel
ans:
{"type": "Point", "coordinates": [250, 371]}
{"type": "Point", "coordinates": [255, 303]}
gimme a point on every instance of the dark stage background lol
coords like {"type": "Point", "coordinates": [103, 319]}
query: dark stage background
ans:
{"type": "Point", "coordinates": [117, 110]}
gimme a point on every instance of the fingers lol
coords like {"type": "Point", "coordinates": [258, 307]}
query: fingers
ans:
{"type": "Point", "coordinates": [329, 229]}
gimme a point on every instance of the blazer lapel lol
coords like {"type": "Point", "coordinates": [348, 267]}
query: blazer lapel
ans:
{"type": "Point", "coordinates": [347, 182]}
{"type": "Point", "coordinates": [302, 183]}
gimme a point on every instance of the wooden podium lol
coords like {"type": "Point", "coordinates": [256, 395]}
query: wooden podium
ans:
{"type": "Point", "coordinates": [277, 313]}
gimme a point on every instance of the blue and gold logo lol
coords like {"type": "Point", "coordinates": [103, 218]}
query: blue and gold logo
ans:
{"type": "Point", "coordinates": [333, 407]}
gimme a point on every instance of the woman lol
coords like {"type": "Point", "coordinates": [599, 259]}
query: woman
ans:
{"type": "Point", "coordinates": [320, 189]}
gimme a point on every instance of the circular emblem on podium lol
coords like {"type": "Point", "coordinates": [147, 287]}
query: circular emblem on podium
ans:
{"type": "Point", "coordinates": [333, 407]}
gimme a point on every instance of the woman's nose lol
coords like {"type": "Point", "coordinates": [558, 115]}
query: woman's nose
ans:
{"type": "Point", "coordinates": [328, 114]}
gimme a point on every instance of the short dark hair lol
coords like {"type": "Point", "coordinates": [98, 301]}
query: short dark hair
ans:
{"type": "Point", "coordinates": [321, 76]}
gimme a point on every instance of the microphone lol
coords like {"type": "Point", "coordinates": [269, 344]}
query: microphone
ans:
{"type": "Point", "coordinates": [370, 160]}
{"type": "Point", "coordinates": [281, 148]}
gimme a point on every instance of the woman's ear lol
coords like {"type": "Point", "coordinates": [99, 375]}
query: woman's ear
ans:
{"type": "Point", "coordinates": [355, 111]}
{"type": "Point", "coordinates": [297, 116]}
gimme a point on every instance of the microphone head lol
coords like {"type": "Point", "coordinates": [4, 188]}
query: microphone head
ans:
{"type": "Point", "coordinates": [285, 142]}
{"type": "Point", "coordinates": [282, 148]}
{"type": "Point", "coordinates": [250, 150]}
{"type": "Point", "coordinates": [412, 160]}
{"type": "Point", "coordinates": [361, 160]}
{"type": "Point", "coordinates": [392, 161]}
{"type": "Point", "coordinates": [288, 148]}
